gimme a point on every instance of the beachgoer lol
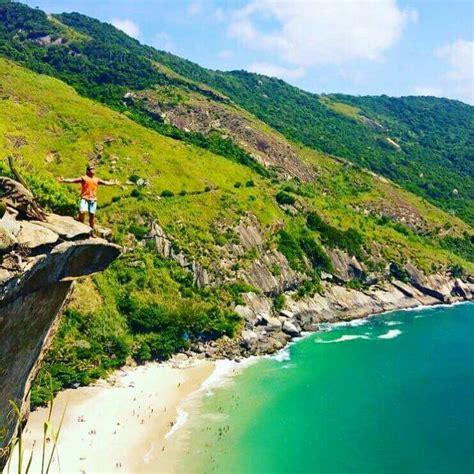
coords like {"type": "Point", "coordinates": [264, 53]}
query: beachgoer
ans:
{"type": "Point", "coordinates": [89, 184]}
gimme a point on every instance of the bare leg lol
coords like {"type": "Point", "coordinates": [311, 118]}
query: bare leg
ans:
{"type": "Point", "coordinates": [92, 220]}
{"type": "Point", "coordinates": [81, 217]}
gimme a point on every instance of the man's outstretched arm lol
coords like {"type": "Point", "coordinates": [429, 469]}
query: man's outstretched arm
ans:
{"type": "Point", "coordinates": [69, 180]}
{"type": "Point", "coordinates": [112, 182]}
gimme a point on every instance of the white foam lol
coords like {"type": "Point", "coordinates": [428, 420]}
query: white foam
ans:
{"type": "Point", "coordinates": [282, 355]}
{"type": "Point", "coordinates": [392, 323]}
{"type": "Point", "coordinates": [390, 334]}
{"type": "Point", "coordinates": [223, 369]}
{"type": "Point", "coordinates": [181, 420]}
{"type": "Point", "coordinates": [345, 338]}
{"type": "Point", "coordinates": [352, 324]}
{"type": "Point", "coordinates": [222, 372]}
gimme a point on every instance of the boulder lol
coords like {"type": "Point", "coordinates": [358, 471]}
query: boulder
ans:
{"type": "Point", "coordinates": [292, 329]}
{"type": "Point", "coordinates": [162, 243]}
{"type": "Point", "coordinates": [66, 227]}
{"type": "Point", "coordinates": [33, 235]}
{"type": "Point", "coordinates": [249, 339]}
{"type": "Point", "coordinates": [9, 223]}
{"type": "Point", "coordinates": [7, 240]}
{"type": "Point", "coordinates": [271, 324]}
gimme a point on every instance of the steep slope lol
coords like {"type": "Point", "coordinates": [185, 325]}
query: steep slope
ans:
{"type": "Point", "coordinates": [212, 245]}
{"type": "Point", "coordinates": [425, 144]}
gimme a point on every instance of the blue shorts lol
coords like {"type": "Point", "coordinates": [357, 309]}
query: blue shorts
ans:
{"type": "Point", "coordinates": [88, 206]}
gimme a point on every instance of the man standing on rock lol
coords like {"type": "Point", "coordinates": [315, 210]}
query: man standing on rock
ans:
{"type": "Point", "coordinates": [89, 185]}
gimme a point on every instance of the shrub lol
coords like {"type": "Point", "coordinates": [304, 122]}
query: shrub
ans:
{"type": "Point", "coordinates": [398, 272]}
{"type": "Point", "coordinates": [249, 184]}
{"type": "Point", "coordinates": [456, 271]}
{"type": "Point", "coordinates": [166, 193]}
{"type": "Point", "coordinates": [238, 184]}
{"type": "Point", "coordinates": [315, 253]}
{"type": "Point", "coordinates": [349, 240]}
{"type": "Point", "coordinates": [289, 247]}
{"type": "Point", "coordinates": [310, 287]}
{"type": "Point", "coordinates": [275, 270]}
{"type": "Point", "coordinates": [133, 178]}
{"type": "Point", "coordinates": [139, 231]}
{"type": "Point", "coordinates": [279, 302]}
{"type": "Point", "coordinates": [284, 198]}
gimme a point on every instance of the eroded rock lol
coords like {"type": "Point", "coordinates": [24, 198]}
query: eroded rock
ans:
{"type": "Point", "coordinates": [32, 295]}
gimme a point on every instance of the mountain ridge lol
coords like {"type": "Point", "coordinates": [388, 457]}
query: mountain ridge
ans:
{"type": "Point", "coordinates": [432, 162]}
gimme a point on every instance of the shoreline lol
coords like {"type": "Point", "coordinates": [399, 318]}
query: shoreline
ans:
{"type": "Point", "coordinates": [133, 421]}
{"type": "Point", "coordinates": [121, 424]}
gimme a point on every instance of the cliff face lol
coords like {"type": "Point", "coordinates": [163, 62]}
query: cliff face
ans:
{"type": "Point", "coordinates": [39, 262]}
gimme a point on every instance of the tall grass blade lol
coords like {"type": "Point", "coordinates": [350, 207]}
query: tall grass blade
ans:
{"type": "Point", "coordinates": [28, 466]}
{"type": "Point", "coordinates": [47, 423]}
{"type": "Point", "coordinates": [20, 438]}
{"type": "Point", "coordinates": [56, 437]}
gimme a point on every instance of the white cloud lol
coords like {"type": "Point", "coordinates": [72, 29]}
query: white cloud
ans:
{"type": "Point", "coordinates": [323, 32]}
{"type": "Point", "coordinates": [458, 80]}
{"type": "Point", "coordinates": [127, 26]}
{"type": "Point", "coordinates": [273, 70]}
{"type": "Point", "coordinates": [460, 57]}
{"type": "Point", "coordinates": [163, 41]}
{"type": "Point", "coordinates": [225, 54]}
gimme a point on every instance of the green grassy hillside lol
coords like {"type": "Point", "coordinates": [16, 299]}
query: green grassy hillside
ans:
{"type": "Point", "coordinates": [424, 144]}
{"type": "Point", "coordinates": [148, 307]}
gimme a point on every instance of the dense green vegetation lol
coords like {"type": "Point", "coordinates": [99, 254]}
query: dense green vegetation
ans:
{"type": "Point", "coordinates": [349, 240]}
{"type": "Point", "coordinates": [423, 143]}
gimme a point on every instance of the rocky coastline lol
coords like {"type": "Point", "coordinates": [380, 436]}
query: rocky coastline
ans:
{"type": "Point", "coordinates": [267, 331]}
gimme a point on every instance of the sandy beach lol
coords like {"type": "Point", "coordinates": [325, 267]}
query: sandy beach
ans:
{"type": "Point", "coordinates": [124, 424]}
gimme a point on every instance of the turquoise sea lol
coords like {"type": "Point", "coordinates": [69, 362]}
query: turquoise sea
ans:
{"type": "Point", "coordinates": [390, 394]}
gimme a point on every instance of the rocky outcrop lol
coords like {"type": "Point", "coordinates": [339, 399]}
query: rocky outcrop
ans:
{"type": "Point", "coordinates": [346, 268]}
{"type": "Point", "coordinates": [39, 262]}
{"type": "Point", "coordinates": [272, 274]}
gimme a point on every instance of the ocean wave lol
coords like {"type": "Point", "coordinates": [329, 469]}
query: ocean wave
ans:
{"type": "Point", "coordinates": [393, 323]}
{"type": "Point", "coordinates": [390, 334]}
{"type": "Point", "coordinates": [351, 324]}
{"type": "Point", "coordinates": [345, 338]}
{"type": "Point", "coordinates": [282, 355]}
{"type": "Point", "coordinates": [223, 369]}
{"type": "Point", "coordinates": [181, 419]}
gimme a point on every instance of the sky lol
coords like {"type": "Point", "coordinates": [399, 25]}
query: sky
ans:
{"type": "Point", "coordinates": [361, 47]}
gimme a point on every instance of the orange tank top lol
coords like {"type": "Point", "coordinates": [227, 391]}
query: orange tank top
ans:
{"type": "Point", "coordinates": [89, 188]}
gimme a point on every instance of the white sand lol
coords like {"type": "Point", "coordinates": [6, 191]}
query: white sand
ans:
{"type": "Point", "coordinates": [125, 424]}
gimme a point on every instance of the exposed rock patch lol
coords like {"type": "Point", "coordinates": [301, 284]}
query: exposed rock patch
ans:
{"type": "Point", "coordinates": [346, 268]}
{"type": "Point", "coordinates": [269, 149]}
